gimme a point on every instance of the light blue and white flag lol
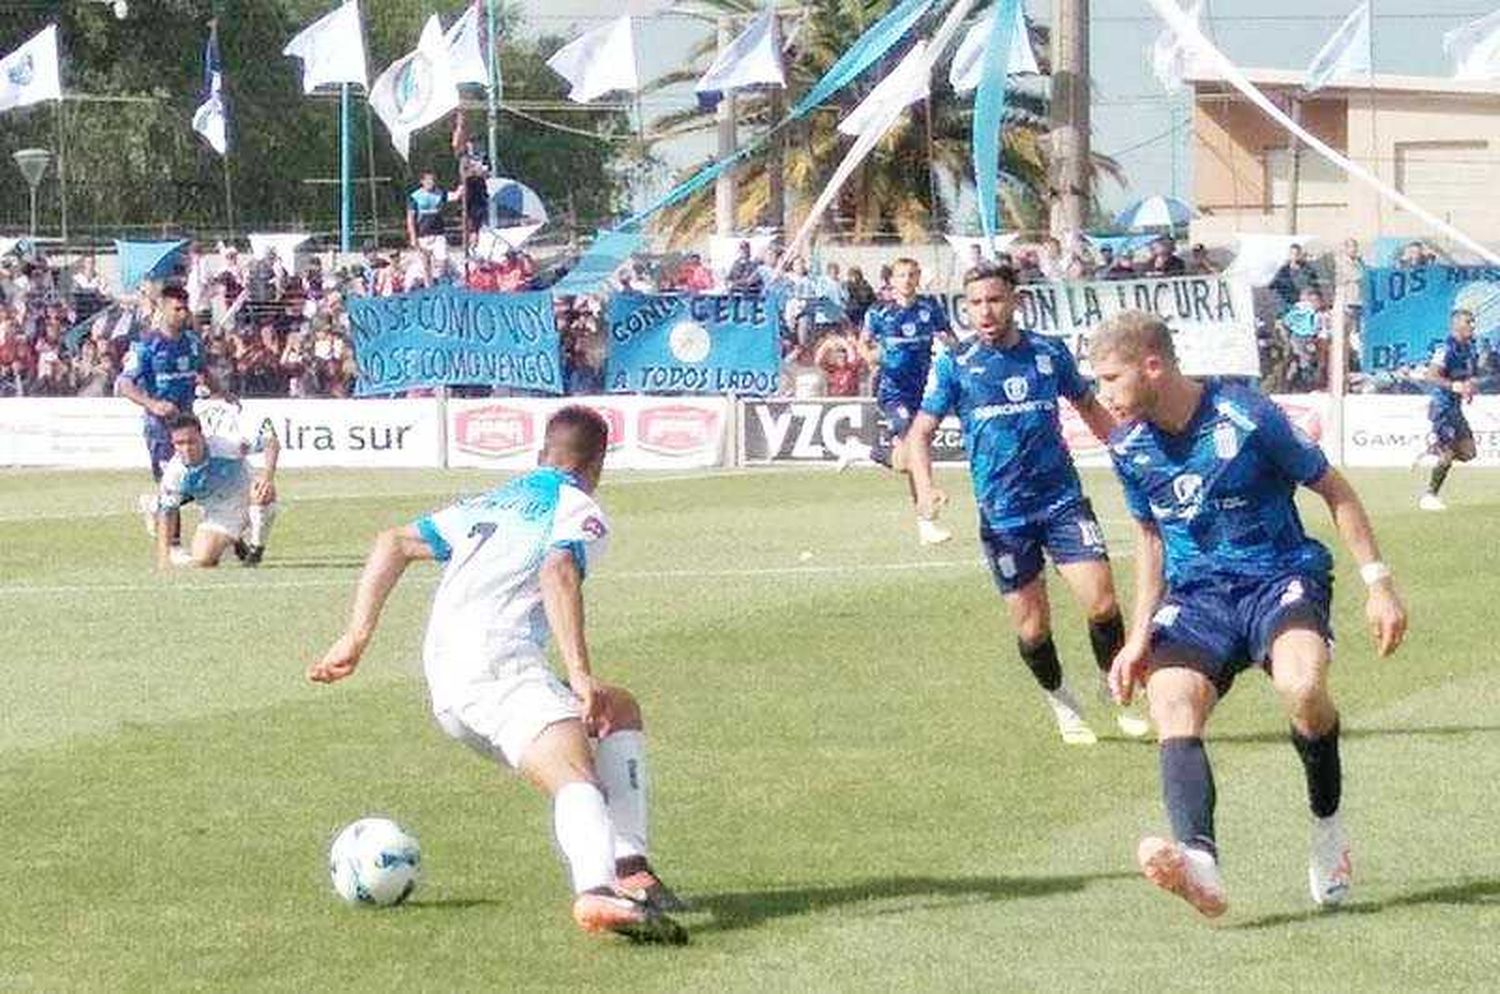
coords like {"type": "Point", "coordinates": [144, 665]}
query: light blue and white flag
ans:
{"type": "Point", "coordinates": [869, 47]}
{"type": "Point", "coordinates": [599, 61]}
{"type": "Point", "coordinates": [417, 89]}
{"type": "Point", "coordinates": [1345, 54]}
{"type": "Point", "coordinates": [902, 86]}
{"type": "Point", "coordinates": [753, 58]}
{"type": "Point", "coordinates": [466, 51]}
{"type": "Point", "coordinates": [332, 49]}
{"type": "Point", "coordinates": [1173, 58]}
{"type": "Point", "coordinates": [29, 75]}
{"type": "Point", "coordinates": [989, 111]}
{"type": "Point", "coordinates": [965, 72]}
{"type": "Point", "coordinates": [211, 119]}
{"type": "Point", "coordinates": [1475, 48]}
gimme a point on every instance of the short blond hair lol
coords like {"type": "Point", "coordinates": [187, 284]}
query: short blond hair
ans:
{"type": "Point", "coordinates": [907, 260]}
{"type": "Point", "coordinates": [1131, 336]}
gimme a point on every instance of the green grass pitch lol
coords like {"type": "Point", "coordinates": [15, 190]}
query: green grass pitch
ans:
{"type": "Point", "coordinates": [855, 780]}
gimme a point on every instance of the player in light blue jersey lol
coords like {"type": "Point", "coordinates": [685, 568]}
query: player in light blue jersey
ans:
{"type": "Point", "coordinates": [514, 560]}
{"type": "Point", "coordinates": [904, 329]}
{"type": "Point", "coordinates": [1006, 386]}
{"type": "Point", "coordinates": [1454, 365]}
{"type": "Point", "coordinates": [1226, 578]}
{"type": "Point", "coordinates": [211, 471]}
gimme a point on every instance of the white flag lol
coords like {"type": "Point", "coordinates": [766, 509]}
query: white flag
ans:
{"type": "Point", "coordinates": [1174, 59]}
{"type": "Point", "coordinates": [1345, 54]}
{"type": "Point", "coordinates": [29, 74]}
{"type": "Point", "coordinates": [968, 61]}
{"type": "Point", "coordinates": [417, 89]}
{"type": "Point", "coordinates": [753, 58]}
{"type": "Point", "coordinates": [465, 53]}
{"type": "Point", "coordinates": [599, 61]}
{"type": "Point", "coordinates": [905, 84]}
{"type": "Point", "coordinates": [210, 119]}
{"type": "Point", "coordinates": [1475, 48]}
{"type": "Point", "coordinates": [332, 49]}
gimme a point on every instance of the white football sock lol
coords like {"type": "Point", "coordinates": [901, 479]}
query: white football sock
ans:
{"type": "Point", "coordinates": [580, 822]}
{"type": "Point", "coordinates": [620, 762]}
{"type": "Point", "coordinates": [261, 516]}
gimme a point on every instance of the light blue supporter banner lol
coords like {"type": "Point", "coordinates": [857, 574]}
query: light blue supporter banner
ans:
{"type": "Point", "coordinates": [594, 268]}
{"type": "Point", "coordinates": [448, 337]}
{"type": "Point", "coordinates": [686, 343]}
{"type": "Point", "coordinates": [1406, 312]}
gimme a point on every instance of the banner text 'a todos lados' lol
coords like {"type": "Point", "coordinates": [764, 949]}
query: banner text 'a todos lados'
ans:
{"type": "Point", "coordinates": [448, 337]}
{"type": "Point", "coordinates": [1212, 318]}
{"type": "Point", "coordinates": [669, 343]}
{"type": "Point", "coordinates": [1407, 312]}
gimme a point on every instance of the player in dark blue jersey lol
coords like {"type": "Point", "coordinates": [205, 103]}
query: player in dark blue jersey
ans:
{"type": "Point", "coordinates": [1454, 366]}
{"type": "Point", "coordinates": [1227, 578]}
{"type": "Point", "coordinates": [904, 329]}
{"type": "Point", "coordinates": [161, 374]}
{"type": "Point", "coordinates": [1005, 386]}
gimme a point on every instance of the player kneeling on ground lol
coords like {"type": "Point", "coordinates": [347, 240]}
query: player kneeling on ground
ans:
{"type": "Point", "coordinates": [237, 510]}
{"type": "Point", "coordinates": [1226, 578]}
{"type": "Point", "coordinates": [514, 563]}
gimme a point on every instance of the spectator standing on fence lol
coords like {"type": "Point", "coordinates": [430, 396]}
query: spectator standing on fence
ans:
{"type": "Point", "coordinates": [1349, 295]}
{"type": "Point", "coordinates": [1294, 276]}
{"type": "Point", "coordinates": [424, 222]}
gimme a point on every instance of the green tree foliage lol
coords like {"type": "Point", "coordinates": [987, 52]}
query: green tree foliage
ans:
{"type": "Point", "coordinates": [135, 166]}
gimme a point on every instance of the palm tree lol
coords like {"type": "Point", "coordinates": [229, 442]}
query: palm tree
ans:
{"type": "Point", "coordinates": [898, 189]}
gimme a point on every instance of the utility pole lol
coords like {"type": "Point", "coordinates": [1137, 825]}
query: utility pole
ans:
{"type": "Point", "coordinates": [492, 91]}
{"type": "Point", "coordinates": [1294, 156]}
{"type": "Point", "coordinates": [1070, 116]}
{"type": "Point", "coordinates": [724, 185]}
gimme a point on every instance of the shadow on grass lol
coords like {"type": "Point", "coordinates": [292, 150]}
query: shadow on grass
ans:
{"type": "Point", "coordinates": [1478, 891]}
{"type": "Point", "coordinates": [886, 895]}
{"type": "Point", "coordinates": [1414, 731]}
{"type": "Point", "coordinates": [328, 562]}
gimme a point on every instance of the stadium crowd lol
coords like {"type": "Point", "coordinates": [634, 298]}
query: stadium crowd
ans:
{"type": "Point", "coordinates": [272, 328]}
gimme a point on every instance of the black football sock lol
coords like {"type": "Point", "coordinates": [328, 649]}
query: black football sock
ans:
{"type": "Point", "coordinates": [1325, 772]}
{"type": "Point", "coordinates": [1106, 637]}
{"type": "Point", "coordinates": [1187, 787]}
{"type": "Point", "coordinates": [1041, 659]}
{"type": "Point", "coordinates": [1439, 474]}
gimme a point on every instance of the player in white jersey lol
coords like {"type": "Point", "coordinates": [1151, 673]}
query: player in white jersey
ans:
{"type": "Point", "coordinates": [237, 510]}
{"type": "Point", "coordinates": [514, 560]}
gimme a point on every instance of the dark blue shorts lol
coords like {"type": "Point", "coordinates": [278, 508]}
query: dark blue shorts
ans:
{"type": "Point", "coordinates": [896, 415]}
{"type": "Point", "coordinates": [1221, 627]}
{"type": "Point", "coordinates": [1449, 427]}
{"type": "Point", "coordinates": [1070, 535]}
{"type": "Point", "coordinates": [159, 447]}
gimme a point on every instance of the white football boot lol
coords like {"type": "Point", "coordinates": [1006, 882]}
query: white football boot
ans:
{"type": "Point", "coordinates": [1329, 872]}
{"type": "Point", "coordinates": [1190, 873]}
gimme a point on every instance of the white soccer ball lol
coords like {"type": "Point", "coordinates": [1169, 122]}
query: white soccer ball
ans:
{"type": "Point", "coordinates": [374, 861]}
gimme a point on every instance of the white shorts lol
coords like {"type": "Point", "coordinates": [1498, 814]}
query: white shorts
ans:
{"type": "Point", "coordinates": [500, 718]}
{"type": "Point", "coordinates": [437, 247]}
{"type": "Point", "coordinates": [226, 516]}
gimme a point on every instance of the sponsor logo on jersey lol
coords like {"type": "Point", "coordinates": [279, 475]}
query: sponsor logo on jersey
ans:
{"type": "Point", "coordinates": [1016, 388]}
{"type": "Point", "coordinates": [676, 429]}
{"type": "Point", "coordinates": [1044, 364]}
{"type": "Point", "coordinates": [495, 430]}
{"type": "Point", "coordinates": [593, 526]}
{"type": "Point", "coordinates": [1226, 440]}
{"type": "Point", "coordinates": [1166, 615]}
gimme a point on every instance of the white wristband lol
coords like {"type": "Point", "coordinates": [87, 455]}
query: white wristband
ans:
{"type": "Point", "coordinates": [1373, 573]}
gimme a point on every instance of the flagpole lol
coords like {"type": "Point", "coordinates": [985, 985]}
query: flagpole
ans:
{"type": "Point", "coordinates": [374, 196]}
{"type": "Point", "coordinates": [492, 92]}
{"type": "Point", "coordinates": [346, 173]}
{"type": "Point", "coordinates": [228, 196]}
{"type": "Point", "coordinates": [62, 174]}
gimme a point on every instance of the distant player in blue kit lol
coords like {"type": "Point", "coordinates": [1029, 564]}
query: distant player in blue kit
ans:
{"type": "Point", "coordinates": [1005, 386]}
{"type": "Point", "coordinates": [904, 329]}
{"type": "Point", "coordinates": [1226, 579]}
{"type": "Point", "coordinates": [1454, 366]}
{"type": "Point", "coordinates": [161, 374]}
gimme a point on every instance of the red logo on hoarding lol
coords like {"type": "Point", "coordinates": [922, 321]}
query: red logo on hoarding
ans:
{"type": "Point", "coordinates": [494, 430]}
{"type": "Point", "coordinates": [677, 429]}
{"type": "Point", "coordinates": [1308, 417]}
{"type": "Point", "coordinates": [615, 418]}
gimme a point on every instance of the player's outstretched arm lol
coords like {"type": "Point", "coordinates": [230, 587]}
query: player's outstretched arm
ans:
{"type": "Point", "coordinates": [562, 598]}
{"type": "Point", "coordinates": [394, 548]}
{"type": "Point", "coordinates": [919, 463]}
{"type": "Point", "coordinates": [1128, 670]}
{"type": "Point", "coordinates": [1384, 611]}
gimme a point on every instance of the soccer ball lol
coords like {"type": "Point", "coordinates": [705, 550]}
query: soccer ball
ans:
{"type": "Point", "coordinates": [374, 861]}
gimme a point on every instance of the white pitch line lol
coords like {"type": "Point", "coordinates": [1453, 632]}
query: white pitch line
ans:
{"type": "Point", "coordinates": [345, 580]}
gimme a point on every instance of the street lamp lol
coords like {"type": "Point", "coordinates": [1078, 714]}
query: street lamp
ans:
{"type": "Point", "coordinates": [33, 163]}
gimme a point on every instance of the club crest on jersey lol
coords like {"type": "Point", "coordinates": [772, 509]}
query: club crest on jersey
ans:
{"type": "Point", "coordinates": [1292, 593]}
{"type": "Point", "coordinates": [925, 314]}
{"type": "Point", "coordinates": [1187, 488]}
{"type": "Point", "coordinates": [1226, 440]}
{"type": "Point", "coordinates": [1044, 364]}
{"type": "Point", "coordinates": [593, 527]}
{"type": "Point", "coordinates": [1016, 388]}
